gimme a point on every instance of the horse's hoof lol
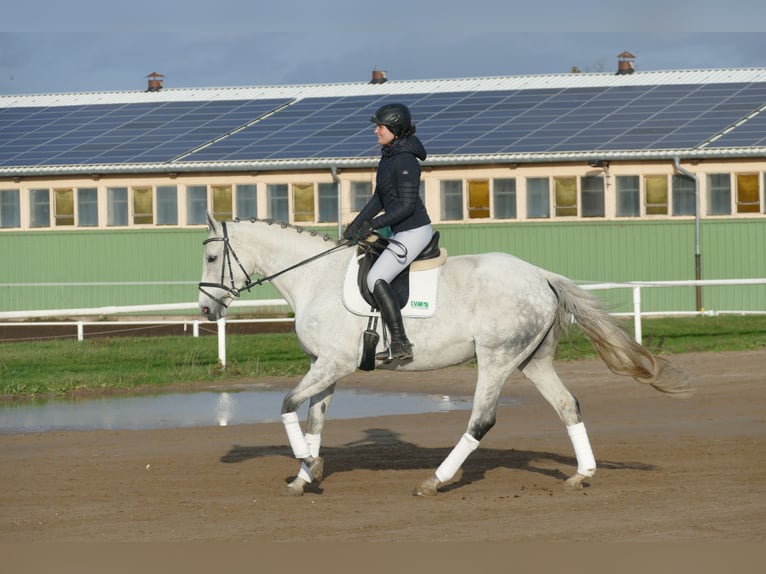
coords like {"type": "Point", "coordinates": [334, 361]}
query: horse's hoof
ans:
{"type": "Point", "coordinates": [575, 482]}
{"type": "Point", "coordinates": [316, 469]}
{"type": "Point", "coordinates": [293, 490]}
{"type": "Point", "coordinates": [427, 487]}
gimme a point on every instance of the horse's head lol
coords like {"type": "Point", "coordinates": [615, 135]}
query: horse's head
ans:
{"type": "Point", "coordinates": [223, 275]}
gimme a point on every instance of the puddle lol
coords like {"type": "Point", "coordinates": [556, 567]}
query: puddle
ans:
{"type": "Point", "coordinates": [210, 408]}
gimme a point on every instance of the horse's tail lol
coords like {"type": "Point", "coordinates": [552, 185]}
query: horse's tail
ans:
{"type": "Point", "coordinates": [621, 353]}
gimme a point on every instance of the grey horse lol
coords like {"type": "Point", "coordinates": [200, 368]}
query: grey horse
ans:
{"type": "Point", "coordinates": [505, 312]}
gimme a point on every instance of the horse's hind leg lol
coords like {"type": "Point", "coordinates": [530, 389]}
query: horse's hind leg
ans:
{"type": "Point", "coordinates": [539, 370]}
{"type": "Point", "coordinates": [315, 423]}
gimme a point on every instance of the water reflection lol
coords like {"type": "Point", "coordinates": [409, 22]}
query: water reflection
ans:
{"type": "Point", "coordinates": [178, 410]}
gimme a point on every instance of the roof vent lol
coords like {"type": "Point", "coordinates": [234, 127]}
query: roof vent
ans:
{"type": "Point", "coordinates": [155, 82]}
{"type": "Point", "coordinates": [625, 63]}
{"type": "Point", "coordinates": [378, 77]}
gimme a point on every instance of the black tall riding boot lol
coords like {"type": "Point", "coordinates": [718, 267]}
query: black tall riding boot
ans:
{"type": "Point", "coordinates": [388, 303]}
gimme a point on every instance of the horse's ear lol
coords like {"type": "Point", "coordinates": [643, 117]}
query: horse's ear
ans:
{"type": "Point", "coordinates": [212, 224]}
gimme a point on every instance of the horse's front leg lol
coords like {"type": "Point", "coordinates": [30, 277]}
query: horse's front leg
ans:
{"type": "Point", "coordinates": [493, 371]}
{"type": "Point", "coordinates": [312, 469]}
{"type": "Point", "coordinates": [318, 385]}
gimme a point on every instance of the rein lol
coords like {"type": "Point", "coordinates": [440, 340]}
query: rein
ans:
{"type": "Point", "coordinates": [228, 252]}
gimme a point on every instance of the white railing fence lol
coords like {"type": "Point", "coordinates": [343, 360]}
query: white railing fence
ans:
{"type": "Point", "coordinates": [636, 287]}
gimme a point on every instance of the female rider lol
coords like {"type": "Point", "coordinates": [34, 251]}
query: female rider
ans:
{"type": "Point", "coordinates": [397, 195]}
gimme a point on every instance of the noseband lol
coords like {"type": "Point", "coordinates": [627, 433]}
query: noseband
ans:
{"type": "Point", "coordinates": [231, 290]}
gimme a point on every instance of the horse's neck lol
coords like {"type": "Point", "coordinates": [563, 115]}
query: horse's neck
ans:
{"type": "Point", "coordinates": [272, 249]}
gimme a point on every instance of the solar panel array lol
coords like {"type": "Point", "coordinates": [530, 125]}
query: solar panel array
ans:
{"type": "Point", "coordinates": [619, 118]}
{"type": "Point", "coordinates": [119, 133]}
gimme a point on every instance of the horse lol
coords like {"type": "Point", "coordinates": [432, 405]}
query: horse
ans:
{"type": "Point", "coordinates": [498, 309]}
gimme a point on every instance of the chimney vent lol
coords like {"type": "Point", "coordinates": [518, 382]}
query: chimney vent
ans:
{"type": "Point", "coordinates": [625, 63]}
{"type": "Point", "coordinates": [378, 77]}
{"type": "Point", "coordinates": [155, 82]}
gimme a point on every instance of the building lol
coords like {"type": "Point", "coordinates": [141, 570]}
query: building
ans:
{"type": "Point", "coordinates": [601, 177]}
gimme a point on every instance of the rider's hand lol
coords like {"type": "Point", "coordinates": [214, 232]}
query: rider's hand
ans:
{"type": "Point", "coordinates": [365, 230]}
{"type": "Point", "coordinates": [351, 231]}
{"type": "Point", "coordinates": [356, 231]}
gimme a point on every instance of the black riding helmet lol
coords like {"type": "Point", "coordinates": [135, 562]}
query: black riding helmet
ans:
{"type": "Point", "coordinates": [396, 117]}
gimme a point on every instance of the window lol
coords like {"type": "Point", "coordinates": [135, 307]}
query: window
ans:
{"type": "Point", "coordinates": [10, 212]}
{"type": "Point", "coordinates": [478, 199]}
{"type": "Point", "coordinates": [278, 203]}
{"type": "Point", "coordinates": [361, 191]}
{"type": "Point", "coordinates": [87, 207]}
{"type": "Point", "coordinates": [63, 207]}
{"type": "Point", "coordinates": [656, 190]}
{"type": "Point", "coordinates": [222, 202]}
{"type": "Point", "coordinates": [303, 202]}
{"type": "Point", "coordinates": [538, 198]}
{"type": "Point", "coordinates": [328, 202]}
{"type": "Point", "coordinates": [116, 206]}
{"type": "Point", "coordinates": [684, 195]}
{"type": "Point", "coordinates": [452, 200]}
{"type": "Point", "coordinates": [718, 194]}
{"type": "Point", "coordinates": [747, 193]}
{"type": "Point", "coordinates": [628, 195]}
{"type": "Point", "coordinates": [167, 205]}
{"type": "Point", "coordinates": [196, 204]}
{"type": "Point", "coordinates": [247, 201]}
{"type": "Point", "coordinates": [592, 191]}
{"type": "Point", "coordinates": [39, 208]}
{"type": "Point", "coordinates": [565, 195]}
{"type": "Point", "coordinates": [504, 198]}
{"type": "Point", "coordinates": [143, 208]}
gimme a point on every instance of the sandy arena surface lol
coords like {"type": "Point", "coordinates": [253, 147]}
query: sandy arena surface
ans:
{"type": "Point", "coordinates": [669, 470]}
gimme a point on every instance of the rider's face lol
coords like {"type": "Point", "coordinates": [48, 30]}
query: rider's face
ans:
{"type": "Point", "coordinates": [385, 136]}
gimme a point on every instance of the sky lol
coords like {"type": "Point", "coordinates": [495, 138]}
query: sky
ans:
{"type": "Point", "coordinates": [92, 45]}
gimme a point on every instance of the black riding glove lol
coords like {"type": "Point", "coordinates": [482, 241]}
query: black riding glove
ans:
{"type": "Point", "coordinates": [351, 230]}
{"type": "Point", "coordinates": [365, 230]}
{"type": "Point", "coordinates": [357, 230]}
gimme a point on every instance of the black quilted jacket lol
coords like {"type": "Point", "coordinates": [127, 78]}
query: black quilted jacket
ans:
{"type": "Point", "coordinates": [397, 188]}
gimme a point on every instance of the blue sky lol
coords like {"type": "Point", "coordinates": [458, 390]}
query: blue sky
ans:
{"type": "Point", "coordinates": [88, 45]}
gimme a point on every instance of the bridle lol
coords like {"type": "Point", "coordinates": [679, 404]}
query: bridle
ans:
{"type": "Point", "coordinates": [232, 292]}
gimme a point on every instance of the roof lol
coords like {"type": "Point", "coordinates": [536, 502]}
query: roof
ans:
{"type": "Point", "coordinates": [539, 118]}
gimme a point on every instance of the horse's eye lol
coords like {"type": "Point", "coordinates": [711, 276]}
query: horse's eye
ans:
{"type": "Point", "coordinates": [211, 258]}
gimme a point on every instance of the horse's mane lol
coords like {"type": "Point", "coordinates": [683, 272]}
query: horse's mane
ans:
{"type": "Point", "coordinates": [285, 225]}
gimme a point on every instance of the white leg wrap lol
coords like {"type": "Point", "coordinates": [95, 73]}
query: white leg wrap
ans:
{"type": "Point", "coordinates": [313, 440]}
{"type": "Point", "coordinates": [586, 463]}
{"type": "Point", "coordinates": [465, 446]}
{"type": "Point", "coordinates": [295, 435]}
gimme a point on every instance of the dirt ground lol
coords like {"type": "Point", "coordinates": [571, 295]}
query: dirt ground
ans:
{"type": "Point", "coordinates": [669, 470]}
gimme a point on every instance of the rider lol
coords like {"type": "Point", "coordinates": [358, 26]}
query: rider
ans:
{"type": "Point", "coordinates": [397, 194]}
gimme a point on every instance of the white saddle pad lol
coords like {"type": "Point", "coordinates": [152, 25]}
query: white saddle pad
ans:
{"type": "Point", "coordinates": [423, 289]}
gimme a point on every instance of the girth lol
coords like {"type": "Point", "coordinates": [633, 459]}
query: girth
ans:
{"type": "Point", "coordinates": [369, 253]}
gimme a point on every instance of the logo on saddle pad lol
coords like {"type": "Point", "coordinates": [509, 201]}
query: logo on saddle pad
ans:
{"type": "Point", "coordinates": [423, 290]}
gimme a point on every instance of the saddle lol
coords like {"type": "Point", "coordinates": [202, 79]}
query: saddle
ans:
{"type": "Point", "coordinates": [370, 251]}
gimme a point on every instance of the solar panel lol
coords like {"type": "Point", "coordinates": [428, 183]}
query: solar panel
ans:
{"type": "Point", "coordinates": [121, 133]}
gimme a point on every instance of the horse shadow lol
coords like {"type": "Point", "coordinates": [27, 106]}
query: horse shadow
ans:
{"type": "Point", "coordinates": [383, 449]}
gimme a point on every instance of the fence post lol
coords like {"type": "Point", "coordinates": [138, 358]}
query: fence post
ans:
{"type": "Point", "coordinates": [80, 335]}
{"type": "Point", "coordinates": [222, 341]}
{"type": "Point", "coordinates": [195, 328]}
{"type": "Point", "coordinates": [637, 314]}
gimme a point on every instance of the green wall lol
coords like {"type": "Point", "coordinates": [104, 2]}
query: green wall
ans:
{"type": "Point", "coordinates": [634, 251]}
{"type": "Point", "coordinates": [584, 251]}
